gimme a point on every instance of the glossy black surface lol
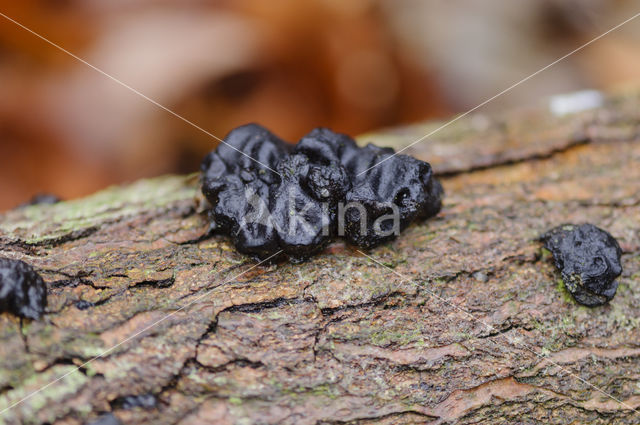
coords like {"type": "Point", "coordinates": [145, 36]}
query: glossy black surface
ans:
{"type": "Point", "coordinates": [589, 261]}
{"type": "Point", "coordinates": [321, 188]}
{"type": "Point", "coordinates": [145, 401]}
{"type": "Point", "coordinates": [22, 290]}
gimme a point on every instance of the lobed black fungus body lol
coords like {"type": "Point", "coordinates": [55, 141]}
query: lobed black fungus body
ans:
{"type": "Point", "coordinates": [22, 290]}
{"type": "Point", "coordinates": [145, 401]}
{"type": "Point", "coordinates": [321, 188]}
{"type": "Point", "coordinates": [83, 304]}
{"type": "Point", "coordinates": [589, 261]}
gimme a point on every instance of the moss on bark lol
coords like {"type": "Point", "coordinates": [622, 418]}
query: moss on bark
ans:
{"type": "Point", "coordinates": [341, 339]}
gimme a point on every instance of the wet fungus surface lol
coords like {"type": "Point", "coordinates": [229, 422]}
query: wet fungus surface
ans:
{"type": "Point", "coordinates": [22, 290]}
{"type": "Point", "coordinates": [588, 259]}
{"type": "Point", "coordinates": [145, 401]}
{"type": "Point", "coordinates": [268, 195]}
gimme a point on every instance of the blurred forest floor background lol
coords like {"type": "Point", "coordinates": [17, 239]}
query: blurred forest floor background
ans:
{"type": "Point", "coordinates": [291, 65]}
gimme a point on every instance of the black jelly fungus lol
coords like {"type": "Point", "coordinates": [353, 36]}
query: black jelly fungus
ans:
{"type": "Point", "coordinates": [322, 187]}
{"type": "Point", "coordinates": [588, 259]}
{"type": "Point", "coordinates": [22, 290]}
{"type": "Point", "coordinates": [106, 419]}
{"type": "Point", "coordinates": [145, 401]}
{"type": "Point", "coordinates": [83, 305]}
{"type": "Point", "coordinates": [42, 199]}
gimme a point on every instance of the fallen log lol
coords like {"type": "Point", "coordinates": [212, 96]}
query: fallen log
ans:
{"type": "Point", "coordinates": [463, 319]}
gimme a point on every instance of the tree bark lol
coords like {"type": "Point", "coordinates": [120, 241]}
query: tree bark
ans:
{"type": "Point", "coordinates": [464, 321]}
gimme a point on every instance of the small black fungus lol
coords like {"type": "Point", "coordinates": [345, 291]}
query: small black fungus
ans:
{"type": "Point", "coordinates": [268, 195]}
{"type": "Point", "coordinates": [589, 261]}
{"type": "Point", "coordinates": [83, 304]}
{"type": "Point", "coordinates": [42, 199]}
{"type": "Point", "coordinates": [146, 401]}
{"type": "Point", "coordinates": [22, 290]}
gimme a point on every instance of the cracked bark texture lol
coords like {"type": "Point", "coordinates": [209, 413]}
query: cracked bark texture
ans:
{"type": "Point", "coordinates": [340, 339]}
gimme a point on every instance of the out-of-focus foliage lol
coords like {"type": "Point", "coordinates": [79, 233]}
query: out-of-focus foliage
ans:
{"type": "Point", "coordinates": [290, 65]}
